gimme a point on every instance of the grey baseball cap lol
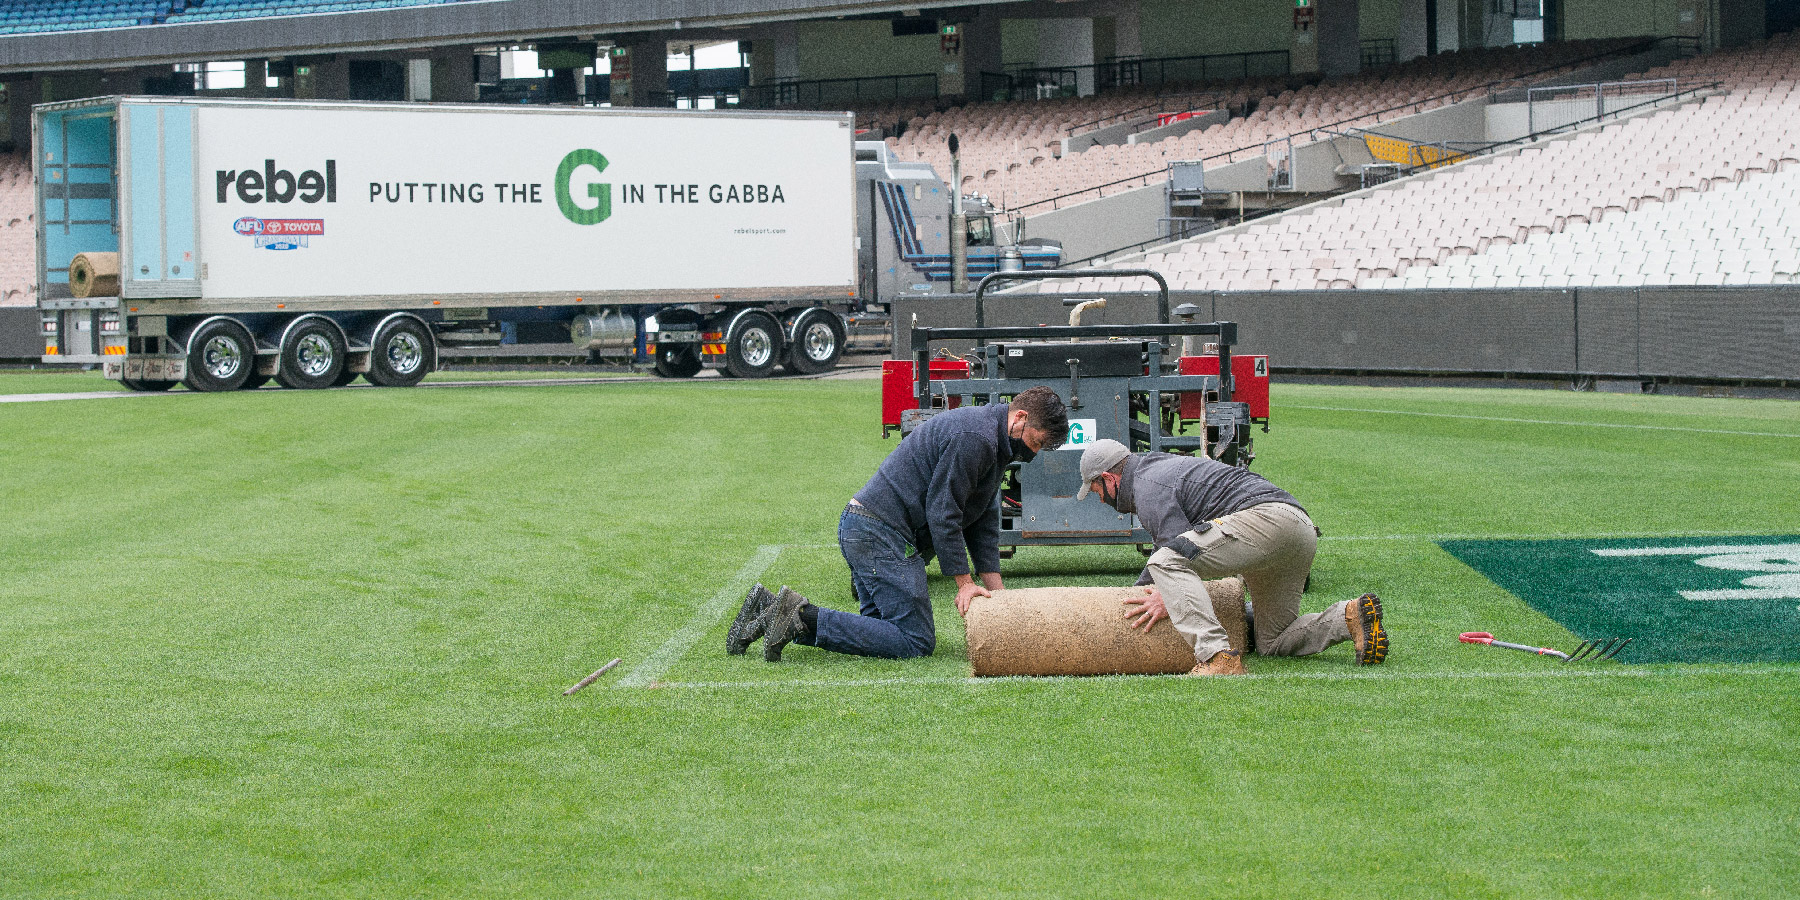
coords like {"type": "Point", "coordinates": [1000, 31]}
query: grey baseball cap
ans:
{"type": "Point", "coordinates": [1096, 458]}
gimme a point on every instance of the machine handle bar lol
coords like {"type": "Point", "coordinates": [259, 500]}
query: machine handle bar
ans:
{"type": "Point", "coordinates": [1162, 286]}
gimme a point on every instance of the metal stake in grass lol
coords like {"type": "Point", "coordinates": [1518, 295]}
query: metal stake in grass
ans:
{"type": "Point", "coordinates": [590, 679]}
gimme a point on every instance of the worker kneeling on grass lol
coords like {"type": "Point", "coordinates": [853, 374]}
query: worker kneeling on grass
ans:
{"type": "Point", "coordinates": [1211, 520]}
{"type": "Point", "coordinates": [933, 495]}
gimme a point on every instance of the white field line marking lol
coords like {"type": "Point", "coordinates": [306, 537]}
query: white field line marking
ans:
{"type": "Point", "coordinates": [1434, 415]}
{"type": "Point", "coordinates": [678, 644]}
{"type": "Point", "coordinates": [77, 395]}
{"type": "Point", "coordinates": [1488, 536]}
{"type": "Point", "coordinates": [1697, 551]}
{"type": "Point", "coordinates": [1606, 672]}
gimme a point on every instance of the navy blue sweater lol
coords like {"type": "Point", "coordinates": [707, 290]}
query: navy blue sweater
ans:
{"type": "Point", "coordinates": [939, 487]}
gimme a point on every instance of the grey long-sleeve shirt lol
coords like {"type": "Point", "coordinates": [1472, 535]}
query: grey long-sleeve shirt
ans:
{"type": "Point", "coordinates": [939, 486]}
{"type": "Point", "coordinates": [1172, 494]}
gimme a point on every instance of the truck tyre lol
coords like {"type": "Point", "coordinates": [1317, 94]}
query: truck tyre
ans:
{"type": "Point", "coordinates": [147, 386]}
{"type": "Point", "coordinates": [753, 347]}
{"type": "Point", "coordinates": [677, 361]}
{"type": "Point", "coordinates": [221, 357]}
{"type": "Point", "coordinates": [818, 342]}
{"type": "Point", "coordinates": [312, 356]}
{"type": "Point", "coordinates": [402, 354]}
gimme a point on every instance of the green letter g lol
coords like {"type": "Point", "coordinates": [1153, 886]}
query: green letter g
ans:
{"type": "Point", "coordinates": [583, 215]}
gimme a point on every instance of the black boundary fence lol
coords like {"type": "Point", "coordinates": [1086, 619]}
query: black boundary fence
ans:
{"type": "Point", "coordinates": [21, 334]}
{"type": "Point", "coordinates": [1678, 333]}
{"type": "Point", "coordinates": [1749, 334]}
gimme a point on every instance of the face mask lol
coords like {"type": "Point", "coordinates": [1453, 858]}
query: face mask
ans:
{"type": "Point", "coordinates": [1021, 451]}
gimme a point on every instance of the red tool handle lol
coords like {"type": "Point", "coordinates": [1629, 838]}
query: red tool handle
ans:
{"type": "Point", "coordinates": [1482, 637]}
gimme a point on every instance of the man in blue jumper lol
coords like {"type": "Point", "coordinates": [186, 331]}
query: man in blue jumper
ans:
{"type": "Point", "coordinates": [934, 495]}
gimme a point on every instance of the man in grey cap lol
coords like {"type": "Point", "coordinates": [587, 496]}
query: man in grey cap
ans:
{"type": "Point", "coordinates": [1210, 520]}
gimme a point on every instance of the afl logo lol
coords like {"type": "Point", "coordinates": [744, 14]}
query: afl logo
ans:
{"type": "Point", "coordinates": [248, 225]}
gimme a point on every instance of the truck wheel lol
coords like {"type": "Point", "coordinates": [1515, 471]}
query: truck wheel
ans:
{"type": "Point", "coordinates": [221, 357]}
{"type": "Point", "coordinates": [147, 386]}
{"type": "Point", "coordinates": [312, 356]}
{"type": "Point", "coordinates": [818, 342]}
{"type": "Point", "coordinates": [402, 354]}
{"type": "Point", "coordinates": [754, 347]}
{"type": "Point", "coordinates": [678, 361]}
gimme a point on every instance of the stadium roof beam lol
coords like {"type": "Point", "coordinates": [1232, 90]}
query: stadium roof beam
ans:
{"type": "Point", "coordinates": [479, 22]}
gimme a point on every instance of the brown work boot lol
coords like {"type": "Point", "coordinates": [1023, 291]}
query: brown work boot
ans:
{"type": "Point", "coordinates": [1363, 615]}
{"type": "Point", "coordinates": [1224, 662]}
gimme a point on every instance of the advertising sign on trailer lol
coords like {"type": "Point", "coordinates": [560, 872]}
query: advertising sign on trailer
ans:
{"type": "Point", "coordinates": [308, 202]}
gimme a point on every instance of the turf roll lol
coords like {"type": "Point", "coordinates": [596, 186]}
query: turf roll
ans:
{"type": "Point", "coordinates": [1084, 631]}
{"type": "Point", "coordinates": [94, 275]}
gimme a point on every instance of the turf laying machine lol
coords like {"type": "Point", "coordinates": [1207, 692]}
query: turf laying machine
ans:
{"type": "Point", "coordinates": [1174, 387]}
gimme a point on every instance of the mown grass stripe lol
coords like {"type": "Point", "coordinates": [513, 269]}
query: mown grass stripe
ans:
{"type": "Point", "coordinates": [1606, 536]}
{"type": "Point", "coordinates": [1439, 415]}
{"type": "Point", "coordinates": [704, 618]}
{"type": "Point", "coordinates": [1611, 671]}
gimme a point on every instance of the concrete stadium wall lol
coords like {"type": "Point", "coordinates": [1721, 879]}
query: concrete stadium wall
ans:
{"type": "Point", "coordinates": [1103, 225]}
{"type": "Point", "coordinates": [1750, 334]}
{"type": "Point", "coordinates": [876, 51]}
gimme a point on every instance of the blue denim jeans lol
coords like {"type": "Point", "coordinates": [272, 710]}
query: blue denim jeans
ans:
{"type": "Point", "coordinates": [888, 576]}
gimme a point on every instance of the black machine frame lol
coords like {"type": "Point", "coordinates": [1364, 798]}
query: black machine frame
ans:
{"type": "Point", "coordinates": [1041, 489]}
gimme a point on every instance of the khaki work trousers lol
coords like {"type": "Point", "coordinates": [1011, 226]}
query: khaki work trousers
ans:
{"type": "Point", "coordinates": [1272, 546]}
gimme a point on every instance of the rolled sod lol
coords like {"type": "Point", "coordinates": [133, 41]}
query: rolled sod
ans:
{"type": "Point", "coordinates": [1084, 631]}
{"type": "Point", "coordinates": [94, 275]}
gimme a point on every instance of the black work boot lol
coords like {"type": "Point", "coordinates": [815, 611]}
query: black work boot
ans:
{"type": "Point", "coordinates": [748, 626]}
{"type": "Point", "coordinates": [782, 623]}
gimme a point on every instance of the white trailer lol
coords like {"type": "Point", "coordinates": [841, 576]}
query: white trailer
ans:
{"type": "Point", "coordinates": [314, 242]}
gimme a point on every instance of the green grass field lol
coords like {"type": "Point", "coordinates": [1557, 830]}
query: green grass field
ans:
{"type": "Point", "coordinates": [313, 644]}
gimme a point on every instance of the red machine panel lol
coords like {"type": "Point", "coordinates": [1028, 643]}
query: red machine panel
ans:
{"type": "Point", "coordinates": [897, 386]}
{"type": "Point", "coordinates": [1250, 382]}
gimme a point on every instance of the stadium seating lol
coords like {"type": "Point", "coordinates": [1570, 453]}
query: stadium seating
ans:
{"type": "Point", "coordinates": [18, 239]}
{"type": "Point", "coordinates": [1563, 212]}
{"type": "Point", "coordinates": [1009, 148]}
{"type": "Point", "coordinates": [20, 16]}
{"type": "Point", "coordinates": [1745, 232]}
{"type": "Point", "coordinates": [29, 16]}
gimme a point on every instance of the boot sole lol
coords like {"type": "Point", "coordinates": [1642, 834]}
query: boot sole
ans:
{"type": "Point", "coordinates": [783, 625]}
{"type": "Point", "coordinates": [743, 631]}
{"type": "Point", "coordinates": [1372, 649]}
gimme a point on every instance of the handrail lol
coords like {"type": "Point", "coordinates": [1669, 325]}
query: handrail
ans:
{"type": "Point", "coordinates": [1121, 117]}
{"type": "Point", "coordinates": [1637, 47]}
{"type": "Point", "coordinates": [1161, 65]}
{"type": "Point", "coordinates": [770, 94]}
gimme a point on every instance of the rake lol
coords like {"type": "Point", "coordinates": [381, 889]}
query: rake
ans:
{"type": "Point", "coordinates": [1588, 651]}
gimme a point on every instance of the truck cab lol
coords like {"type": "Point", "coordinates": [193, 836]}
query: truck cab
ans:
{"type": "Point", "coordinates": [903, 228]}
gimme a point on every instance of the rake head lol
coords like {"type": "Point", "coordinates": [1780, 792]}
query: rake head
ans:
{"type": "Point", "coordinates": [1597, 650]}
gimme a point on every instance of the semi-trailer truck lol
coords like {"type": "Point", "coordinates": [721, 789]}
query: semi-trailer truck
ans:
{"type": "Point", "coordinates": [315, 242]}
